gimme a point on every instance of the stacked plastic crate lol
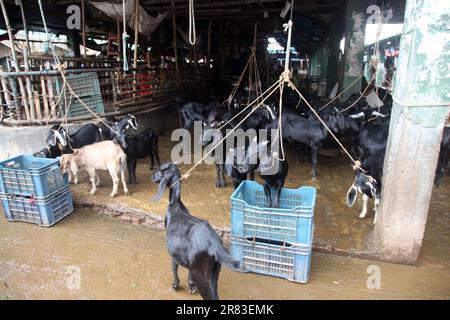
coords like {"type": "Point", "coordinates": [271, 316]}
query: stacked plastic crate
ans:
{"type": "Point", "coordinates": [87, 87]}
{"type": "Point", "coordinates": [273, 241]}
{"type": "Point", "coordinates": [34, 190]}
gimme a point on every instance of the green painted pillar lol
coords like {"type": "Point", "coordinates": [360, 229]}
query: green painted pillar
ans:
{"type": "Point", "coordinates": [421, 108]}
{"type": "Point", "coordinates": [355, 29]}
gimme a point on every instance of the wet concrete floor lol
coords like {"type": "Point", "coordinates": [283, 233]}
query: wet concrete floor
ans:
{"type": "Point", "coordinates": [116, 260]}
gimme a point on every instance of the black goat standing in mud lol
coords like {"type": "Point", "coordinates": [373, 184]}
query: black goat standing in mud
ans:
{"type": "Point", "coordinates": [191, 242]}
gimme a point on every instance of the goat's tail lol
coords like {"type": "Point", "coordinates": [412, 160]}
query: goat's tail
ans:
{"type": "Point", "coordinates": [226, 259]}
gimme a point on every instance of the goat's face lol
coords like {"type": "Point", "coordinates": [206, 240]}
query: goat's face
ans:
{"type": "Point", "coordinates": [236, 158]}
{"type": "Point", "coordinates": [166, 175]}
{"type": "Point", "coordinates": [64, 162]}
{"type": "Point", "coordinates": [210, 132]}
{"type": "Point", "coordinates": [364, 184]}
{"type": "Point", "coordinates": [121, 138]}
{"type": "Point", "coordinates": [57, 136]}
{"type": "Point", "coordinates": [132, 122]}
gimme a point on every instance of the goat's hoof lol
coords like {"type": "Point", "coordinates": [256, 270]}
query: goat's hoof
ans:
{"type": "Point", "coordinates": [175, 286]}
{"type": "Point", "coordinates": [92, 192]}
{"type": "Point", "coordinates": [362, 216]}
{"type": "Point", "coordinates": [192, 288]}
{"type": "Point", "coordinates": [127, 192]}
{"type": "Point", "coordinates": [112, 195]}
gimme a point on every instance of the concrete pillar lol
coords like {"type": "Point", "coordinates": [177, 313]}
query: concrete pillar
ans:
{"type": "Point", "coordinates": [421, 107]}
{"type": "Point", "coordinates": [355, 29]}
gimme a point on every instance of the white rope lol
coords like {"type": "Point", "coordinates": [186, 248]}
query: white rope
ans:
{"type": "Point", "coordinates": [192, 34]}
{"type": "Point", "coordinates": [335, 98]}
{"type": "Point", "coordinates": [125, 37]}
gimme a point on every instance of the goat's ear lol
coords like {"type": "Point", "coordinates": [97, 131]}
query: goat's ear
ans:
{"type": "Point", "coordinates": [351, 195]}
{"type": "Point", "coordinates": [161, 188]}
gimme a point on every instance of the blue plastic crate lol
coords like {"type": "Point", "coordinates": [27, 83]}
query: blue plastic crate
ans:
{"type": "Point", "coordinates": [31, 176]}
{"type": "Point", "coordinates": [283, 260]}
{"type": "Point", "coordinates": [42, 211]}
{"type": "Point", "coordinates": [292, 222]}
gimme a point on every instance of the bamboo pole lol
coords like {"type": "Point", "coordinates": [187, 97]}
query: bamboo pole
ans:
{"type": "Point", "coordinates": [16, 64]}
{"type": "Point", "coordinates": [37, 103]}
{"type": "Point", "coordinates": [5, 90]}
{"type": "Point", "coordinates": [174, 23]}
{"type": "Point", "coordinates": [29, 86]}
{"type": "Point", "coordinates": [83, 27]}
{"type": "Point", "coordinates": [25, 27]}
{"type": "Point", "coordinates": [51, 96]}
{"type": "Point", "coordinates": [44, 96]}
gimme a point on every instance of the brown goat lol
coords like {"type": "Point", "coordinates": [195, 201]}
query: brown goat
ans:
{"type": "Point", "coordinates": [104, 155]}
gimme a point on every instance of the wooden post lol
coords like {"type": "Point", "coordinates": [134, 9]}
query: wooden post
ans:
{"type": "Point", "coordinates": [136, 32]}
{"type": "Point", "coordinates": [25, 27]}
{"type": "Point", "coordinates": [16, 64]}
{"type": "Point", "coordinates": [83, 28]}
{"type": "Point", "coordinates": [174, 24]}
{"type": "Point", "coordinates": [421, 107]}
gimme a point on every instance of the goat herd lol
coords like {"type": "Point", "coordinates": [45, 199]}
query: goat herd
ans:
{"type": "Point", "coordinates": [192, 242]}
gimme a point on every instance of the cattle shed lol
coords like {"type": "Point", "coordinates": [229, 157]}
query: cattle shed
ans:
{"type": "Point", "coordinates": [371, 76]}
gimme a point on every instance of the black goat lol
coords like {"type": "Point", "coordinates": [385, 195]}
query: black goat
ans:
{"type": "Point", "coordinates": [368, 183]}
{"type": "Point", "coordinates": [191, 242]}
{"type": "Point", "coordinates": [138, 147]}
{"type": "Point", "coordinates": [444, 156]}
{"type": "Point", "coordinates": [299, 130]}
{"type": "Point", "coordinates": [194, 111]}
{"type": "Point", "coordinates": [87, 134]}
{"type": "Point", "coordinates": [272, 170]}
{"type": "Point", "coordinates": [235, 166]}
{"type": "Point", "coordinates": [112, 126]}
{"type": "Point", "coordinates": [372, 138]}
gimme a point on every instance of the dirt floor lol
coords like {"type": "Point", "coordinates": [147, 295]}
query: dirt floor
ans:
{"type": "Point", "coordinates": [118, 260]}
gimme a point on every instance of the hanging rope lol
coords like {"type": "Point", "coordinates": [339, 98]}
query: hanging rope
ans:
{"type": "Point", "coordinates": [52, 47]}
{"type": "Point", "coordinates": [125, 37]}
{"type": "Point", "coordinates": [192, 33]}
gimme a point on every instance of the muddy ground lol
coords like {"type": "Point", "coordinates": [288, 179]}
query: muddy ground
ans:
{"type": "Point", "coordinates": [119, 260]}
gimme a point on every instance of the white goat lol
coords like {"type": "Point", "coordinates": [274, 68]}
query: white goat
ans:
{"type": "Point", "coordinates": [104, 155]}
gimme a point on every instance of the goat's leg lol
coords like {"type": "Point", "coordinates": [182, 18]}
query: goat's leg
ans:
{"type": "Point", "coordinates": [114, 176]}
{"type": "Point", "coordinates": [215, 280]}
{"type": "Point", "coordinates": [192, 287]}
{"type": "Point", "coordinates": [203, 284]}
{"type": "Point", "coordinates": [130, 171]}
{"type": "Point", "coordinates": [363, 213]}
{"type": "Point", "coordinates": [155, 152]}
{"type": "Point", "coordinates": [278, 187]}
{"type": "Point", "coordinates": [152, 161]}
{"type": "Point", "coordinates": [268, 195]}
{"type": "Point", "coordinates": [97, 180]}
{"type": "Point", "coordinates": [124, 180]}
{"type": "Point", "coordinates": [252, 174]}
{"type": "Point", "coordinates": [91, 172]}
{"type": "Point", "coordinates": [220, 182]}
{"type": "Point", "coordinates": [375, 208]}
{"type": "Point", "coordinates": [133, 170]}
{"type": "Point", "coordinates": [176, 280]}
{"type": "Point", "coordinates": [314, 151]}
